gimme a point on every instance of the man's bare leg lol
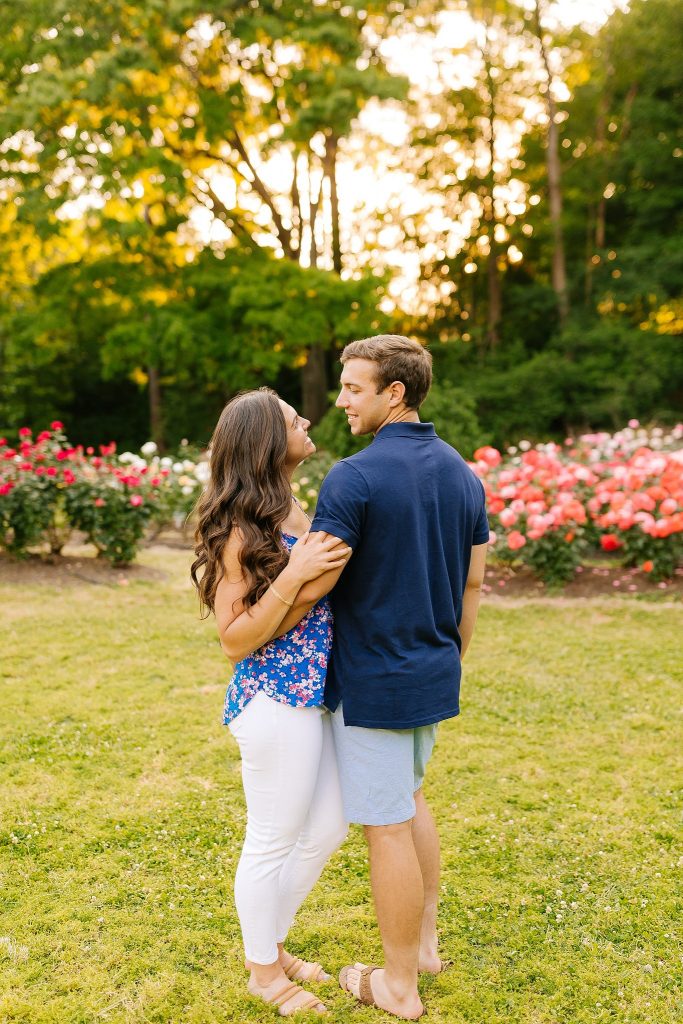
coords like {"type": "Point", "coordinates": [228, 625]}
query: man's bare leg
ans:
{"type": "Point", "coordinates": [397, 890]}
{"type": "Point", "coordinates": [426, 840]}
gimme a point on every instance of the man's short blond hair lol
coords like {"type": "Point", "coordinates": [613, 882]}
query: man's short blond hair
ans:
{"type": "Point", "coordinates": [396, 358]}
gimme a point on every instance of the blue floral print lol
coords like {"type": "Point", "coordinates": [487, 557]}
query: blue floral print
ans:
{"type": "Point", "coordinates": [290, 669]}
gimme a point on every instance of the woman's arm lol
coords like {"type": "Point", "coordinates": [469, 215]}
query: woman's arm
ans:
{"type": "Point", "coordinates": [242, 630]}
{"type": "Point", "coordinates": [312, 591]}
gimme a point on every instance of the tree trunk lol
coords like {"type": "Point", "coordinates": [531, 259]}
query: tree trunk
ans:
{"type": "Point", "coordinates": [559, 271]}
{"type": "Point", "coordinates": [495, 303]}
{"type": "Point", "coordinates": [314, 374]}
{"type": "Point", "coordinates": [600, 150]}
{"type": "Point", "coordinates": [314, 385]}
{"type": "Point", "coordinates": [313, 206]}
{"type": "Point", "coordinates": [156, 423]}
{"type": "Point", "coordinates": [331, 144]}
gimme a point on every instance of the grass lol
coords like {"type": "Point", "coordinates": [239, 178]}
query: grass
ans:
{"type": "Point", "coordinates": [557, 794]}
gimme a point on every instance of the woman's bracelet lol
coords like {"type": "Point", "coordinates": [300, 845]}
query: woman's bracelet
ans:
{"type": "Point", "coordinates": [283, 599]}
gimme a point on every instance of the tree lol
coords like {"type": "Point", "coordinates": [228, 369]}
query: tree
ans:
{"type": "Point", "coordinates": [142, 115]}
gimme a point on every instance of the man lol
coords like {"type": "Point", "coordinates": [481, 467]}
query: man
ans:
{"type": "Point", "coordinates": [405, 608]}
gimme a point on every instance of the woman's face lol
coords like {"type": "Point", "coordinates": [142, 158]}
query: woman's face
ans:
{"type": "Point", "coordinates": [299, 444]}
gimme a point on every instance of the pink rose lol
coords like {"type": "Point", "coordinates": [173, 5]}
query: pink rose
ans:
{"type": "Point", "coordinates": [136, 500]}
{"type": "Point", "coordinates": [516, 540]}
{"type": "Point", "coordinates": [507, 518]}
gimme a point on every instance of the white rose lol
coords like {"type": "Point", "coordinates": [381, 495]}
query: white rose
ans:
{"type": "Point", "coordinates": [149, 448]}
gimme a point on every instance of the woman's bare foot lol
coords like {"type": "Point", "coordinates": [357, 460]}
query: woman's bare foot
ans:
{"type": "Point", "coordinates": [408, 1008]}
{"type": "Point", "coordinates": [286, 995]}
{"type": "Point", "coordinates": [301, 970]}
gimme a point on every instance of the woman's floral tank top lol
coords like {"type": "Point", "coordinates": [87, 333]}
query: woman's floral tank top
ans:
{"type": "Point", "coordinates": [290, 669]}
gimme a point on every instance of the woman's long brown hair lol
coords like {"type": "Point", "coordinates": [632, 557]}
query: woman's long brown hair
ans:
{"type": "Point", "coordinates": [249, 490]}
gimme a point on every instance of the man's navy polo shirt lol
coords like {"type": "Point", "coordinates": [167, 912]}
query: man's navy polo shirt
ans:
{"type": "Point", "coordinates": [411, 509]}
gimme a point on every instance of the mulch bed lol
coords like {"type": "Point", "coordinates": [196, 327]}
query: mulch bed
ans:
{"type": "Point", "coordinates": [80, 567]}
{"type": "Point", "coordinates": [589, 581]}
{"type": "Point", "coordinates": [68, 570]}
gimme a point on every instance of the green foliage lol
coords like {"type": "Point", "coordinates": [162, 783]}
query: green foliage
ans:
{"type": "Point", "coordinates": [226, 322]}
{"type": "Point", "coordinates": [27, 512]}
{"type": "Point", "coordinates": [452, 410]}
{"type": "Point", "coordinates": [554, 557]}
{"type": "Point", "coordinates": [664, 553]}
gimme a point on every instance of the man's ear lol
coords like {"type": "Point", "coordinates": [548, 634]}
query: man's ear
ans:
{"type": "Point", "coordinates": [397, 391]}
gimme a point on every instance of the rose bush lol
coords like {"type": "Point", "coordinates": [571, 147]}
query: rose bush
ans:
{"type": "Point", "coordinates": [49, 487]}
{"type": "Point", "coordinates": [550, 504]}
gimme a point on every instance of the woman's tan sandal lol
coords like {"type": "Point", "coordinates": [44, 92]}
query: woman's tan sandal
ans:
{"type": "Point", "coordinates": [288, 995]}
{"type": "Point", "coordinates": [303, 970]}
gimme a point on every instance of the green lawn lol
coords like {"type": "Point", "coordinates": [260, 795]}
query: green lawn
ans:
{"type": "Point", "coordinates": [557, 793]}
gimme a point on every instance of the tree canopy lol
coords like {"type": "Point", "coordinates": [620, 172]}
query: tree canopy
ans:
{"type": "Point", "coordinates": [203, 197]}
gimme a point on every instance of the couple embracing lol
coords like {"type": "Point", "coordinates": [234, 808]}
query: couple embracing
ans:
{"type": "Point", "coordinates": [346, 635]}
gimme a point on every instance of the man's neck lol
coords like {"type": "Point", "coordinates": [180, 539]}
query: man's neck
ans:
{"type": "Point", "coordinates": [400, 416]}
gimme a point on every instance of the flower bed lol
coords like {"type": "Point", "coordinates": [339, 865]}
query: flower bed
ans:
{"type": "Point", "coordinates": [48, 488]}
{"type": "Point", "coordinates": [550, 505]}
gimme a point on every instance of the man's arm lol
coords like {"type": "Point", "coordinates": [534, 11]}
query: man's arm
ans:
{"type": "Point", "coordinates": [470, 600]}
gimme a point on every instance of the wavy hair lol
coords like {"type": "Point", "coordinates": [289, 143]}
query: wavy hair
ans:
{"type": "Point", "coordinates": [248, 490]}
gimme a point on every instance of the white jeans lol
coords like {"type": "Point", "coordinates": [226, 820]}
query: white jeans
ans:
{"type": "Point", "coordinates": [295, 819]}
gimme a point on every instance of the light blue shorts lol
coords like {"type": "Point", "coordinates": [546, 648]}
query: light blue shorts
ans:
{"type": "Point", "coordinates": [380, 770]}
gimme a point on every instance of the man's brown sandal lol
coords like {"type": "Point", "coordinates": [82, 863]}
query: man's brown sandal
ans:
{"type": "Point", "coordinates": [365, 995]}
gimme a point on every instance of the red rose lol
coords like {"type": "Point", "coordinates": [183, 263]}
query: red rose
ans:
{"type": "Point", "coordinates": [608, 542]}
{"type": "Point", "coordinates": [56, 425]}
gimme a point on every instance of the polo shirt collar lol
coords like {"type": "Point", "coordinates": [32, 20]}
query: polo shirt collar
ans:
{"type": "Point", "coordinates": [420, 431]}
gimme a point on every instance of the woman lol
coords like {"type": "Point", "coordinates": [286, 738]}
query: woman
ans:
{"type": "Point", "coordinates": [253, 544]}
